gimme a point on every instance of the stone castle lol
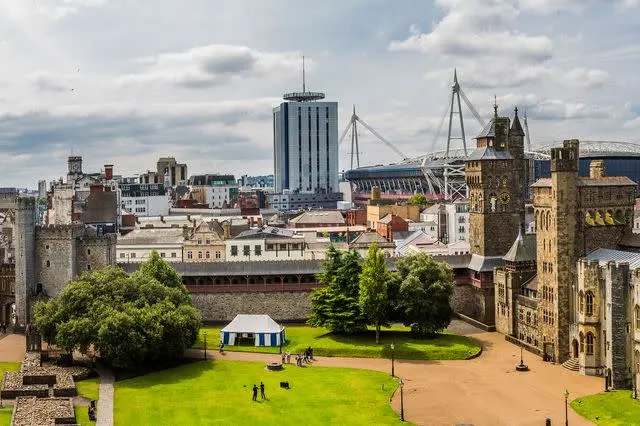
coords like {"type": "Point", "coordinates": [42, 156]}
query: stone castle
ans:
{"type": "Point", "coordinates": [567, 291]}
{"type": "Point", "coordinates": [48, 257]}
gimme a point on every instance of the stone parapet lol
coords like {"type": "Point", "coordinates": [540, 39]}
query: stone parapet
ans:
{"type": "Point", "coordinates": [281, 306]}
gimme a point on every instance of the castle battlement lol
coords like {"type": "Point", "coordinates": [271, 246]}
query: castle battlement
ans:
{"type": "Point", "coordinates": [59, 232]}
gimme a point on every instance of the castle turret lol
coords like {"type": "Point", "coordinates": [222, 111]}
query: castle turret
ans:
{"type": "Point", "coordinates": [24, 237]}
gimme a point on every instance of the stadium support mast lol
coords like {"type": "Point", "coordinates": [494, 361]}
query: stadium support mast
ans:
{"type": "Point", "coordinates": [455, 100]}
{"type": "Point", "coordinates": [355, 149]}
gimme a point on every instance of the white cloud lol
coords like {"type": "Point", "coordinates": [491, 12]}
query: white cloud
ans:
{"type": "Point", "coordinates": [586, 77]}
{"type": "Point", "coordinates": [478, 28]}
{"type": "Point", "coordinates": [212, 65]}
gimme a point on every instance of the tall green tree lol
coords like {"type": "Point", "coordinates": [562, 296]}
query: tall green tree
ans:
{"type": "Point", "coordinates": [129, 319]}
{"type": "Point", "coordinates": [336, 305]}
{"type": "Point", "coordinates": [373, 288]}
{"type": "Point", "coordinates": [425, 289]}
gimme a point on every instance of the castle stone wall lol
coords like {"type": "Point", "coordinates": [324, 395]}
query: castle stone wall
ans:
{"type": "Point", "coordinates": [55, 257]}
{"type": "Point", "coordinates": [287, 306]}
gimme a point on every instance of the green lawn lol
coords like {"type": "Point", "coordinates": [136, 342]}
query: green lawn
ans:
{"type": "Point", "coordinates": [5, 415]}
{"type": "Point", "coordinates": [613, 408]}
{"type": "Point", "coordinates": [6, 411]}
{"type": "Point", "coordinates": [324, 343]}
{"type": "Point", "coordinates": [82, 416]}
{"type": "Point", "coordinates": [89, 387]}
{"type": "Point", "coordinates": [219, 393]}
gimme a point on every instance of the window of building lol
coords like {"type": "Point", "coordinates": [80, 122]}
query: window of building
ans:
{"type": "Point", "coordinates": [208, 241]}
{"type": "Point", "coordinates": [208, 255]}
{"type": "Point", "coordinates": [88, 252]}
{"type": "Point", "coordinates": [638, 317]}
{"type": "Point", "coordinates": [461, 229]}
{"type": "Point", "coordinates": [588, 303]}
{"type": "Point", "coordinates": [218, 254]}
{"type": "Point", "coordinates": [246, 250]}
{"type": "Point", "coordinates": [88, 267]}
{"type": "Point", "coordinates": [528, 317]}
{"type": "Point", "coordinates": [122, 255]}
{"type": "Point", "coordinates": [257, 250]}
{"type": "Point", "coordinates": [189, 255]}
{"type": "Point", "coordinates": [133, 255]}
{"type": "Point", "coordinates": [199, 255]}
{"type": "Point", "coordinates": [173, 254]}
{"type": "Point", "coordinates": [581, 302]}
{"type": "Point", "coordinates": [199, 242]}
{"type": "Point", "coordinates": [47, 246]}
{"type": "Point", "coordinates": [590, 339]}
{"type": "Point", "coordinates": [234, 250]}
{"type": "Point", "coordinates": [283, 246]}
{"type": "Point", "coordinates": [163, 255]}
{"type": "Point", "coordinates": [48, 264]}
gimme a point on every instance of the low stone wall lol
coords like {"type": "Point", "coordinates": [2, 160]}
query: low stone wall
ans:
{"type": "Point", "coordinates": [43, 411]}
{"type": "Point", "coordinates": [284, 306]}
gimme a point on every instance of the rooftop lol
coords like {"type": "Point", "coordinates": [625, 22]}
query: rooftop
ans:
{"type": "Point", "coordinates": [314, 217]}
{"type": "Point", "coordinates": [587, 181]}
{"type": "Point", "coordinates": [603, 256]}
{"type": "Point", "coordinates": [152, 236]}
{"type": "Point", "coordinates": [523, 249]}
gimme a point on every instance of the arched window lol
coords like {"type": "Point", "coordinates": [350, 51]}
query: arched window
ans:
{"type": "Point", "coordinates": [638, 317]}
{"type": "Point", "coordinates": [590, 340]}
{"type": "Point", "coordinates": [581, 342]}
{"type": "Point", "coordinates": [581, 302]}
{"type": "Point", "coordinates": [48, 264]}
{"type": "Point", "coordinates": [588, 303]}
{"type": "Point", "coordinates": [528, 317]}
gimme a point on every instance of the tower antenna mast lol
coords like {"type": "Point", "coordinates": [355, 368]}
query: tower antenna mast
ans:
{"type": "Point", "coordinates": [304, 88]}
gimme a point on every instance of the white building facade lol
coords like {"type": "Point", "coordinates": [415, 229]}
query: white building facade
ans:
{"type": "Point", "coordinates": [145, 200]}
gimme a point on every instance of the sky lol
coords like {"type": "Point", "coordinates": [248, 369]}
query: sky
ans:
{"type": "Point", "coordinates": [124, 82]}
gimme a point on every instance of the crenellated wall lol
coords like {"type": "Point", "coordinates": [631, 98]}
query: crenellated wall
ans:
{"type": "Point", "coordinates": [285, 306]}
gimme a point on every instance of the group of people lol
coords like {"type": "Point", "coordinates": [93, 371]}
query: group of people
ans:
{"type": "Point", "coordinates": [3, 328]}
{"type": "Point", "coordinates": [255, 392]}
{"type": "Point", "coordinates": [305, 357]}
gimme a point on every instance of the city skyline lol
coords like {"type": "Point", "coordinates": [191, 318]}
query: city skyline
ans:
{"type": "Point", "coordinates": [127, 94]}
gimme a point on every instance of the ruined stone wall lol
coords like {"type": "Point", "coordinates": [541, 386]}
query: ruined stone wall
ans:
{"type": "Point", "coordinates": [286, 306]}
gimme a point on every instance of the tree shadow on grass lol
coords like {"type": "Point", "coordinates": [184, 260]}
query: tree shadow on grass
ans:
{"type": "Point", "coordinates": [126, 374]}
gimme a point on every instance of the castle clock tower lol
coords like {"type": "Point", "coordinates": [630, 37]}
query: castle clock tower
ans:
{"type": "Point", "coordinates": [496, 177]}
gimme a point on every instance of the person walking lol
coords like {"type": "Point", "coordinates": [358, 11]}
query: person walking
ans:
{"type": "Point", "coordinates": [255, 393]}
{"type": "Point", "coordinates": [288, 357]}
{"type": "Point", "coordinates": [262, 391]}
{"type": "Point", "coordinates": [221, 347]}
{"type": "Point", "coordinates": [284, 358]}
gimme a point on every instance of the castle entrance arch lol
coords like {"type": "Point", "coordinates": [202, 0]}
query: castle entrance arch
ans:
{"type": "Point", "coordinates": [547, 351]}
{"type": "Point", "coordinates": [574, 348]}
{"type": "Point", "coordinates": [8, 313]}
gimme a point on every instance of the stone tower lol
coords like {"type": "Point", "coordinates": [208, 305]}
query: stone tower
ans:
{"type": "Point", "coordinates": [496, 179]}
{"type": "Point", "coordinates": [25, 270]}
{"type": "Point", "coordinates": [556, 229]}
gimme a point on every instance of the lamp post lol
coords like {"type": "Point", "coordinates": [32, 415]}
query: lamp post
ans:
{"type": "Point", "coordinates": [393, 348]}
{"type": "Point", "coordinates": [205, 345]}
{"type": "Point", "coordinates": [401, 400]}
{"type": "Point", "coordinates": [566, 407]}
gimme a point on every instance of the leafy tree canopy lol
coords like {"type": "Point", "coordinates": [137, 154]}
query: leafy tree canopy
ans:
{"type": "Point", "coordinates": [425, 289]}
{"type": "Point", "coordinates": [373, 288]}
{"type": "Point", "coordinates": [336, 305]}
{"type": "Point", "coordinates": [129, 319]}
{"type": "Point", "coordinates": [419, 200]}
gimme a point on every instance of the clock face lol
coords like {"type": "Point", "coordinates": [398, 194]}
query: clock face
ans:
{"type": "Point", "coordinates": [504, 198]}
{"type": "Point", "coordinates": [75, 167]}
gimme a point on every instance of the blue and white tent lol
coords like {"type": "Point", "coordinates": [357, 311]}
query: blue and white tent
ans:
{"type": "Point", "coordinates": [264, 330]}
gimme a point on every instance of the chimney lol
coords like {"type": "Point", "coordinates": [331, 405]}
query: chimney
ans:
{"type": "Point", "coordinates": [226, 227]}
{"type": "Point", "coordinates": [259, 222]}
{"type": "Point", "coordinates": [161, 218]}
{"type": "Point", "coordinates": [596, 169]}
{"type": "Point", "coordinates": [108, 171]}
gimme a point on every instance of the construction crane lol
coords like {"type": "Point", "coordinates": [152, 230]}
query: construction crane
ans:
{"type": "Point", "coordinates": [355, 150]}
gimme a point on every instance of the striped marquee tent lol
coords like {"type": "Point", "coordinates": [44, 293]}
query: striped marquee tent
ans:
{"type": "Point", "coordinates": [264, 330]}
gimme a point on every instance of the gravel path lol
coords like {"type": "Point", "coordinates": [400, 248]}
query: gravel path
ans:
{"type": "Point", "coordinates": [105, 399]}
